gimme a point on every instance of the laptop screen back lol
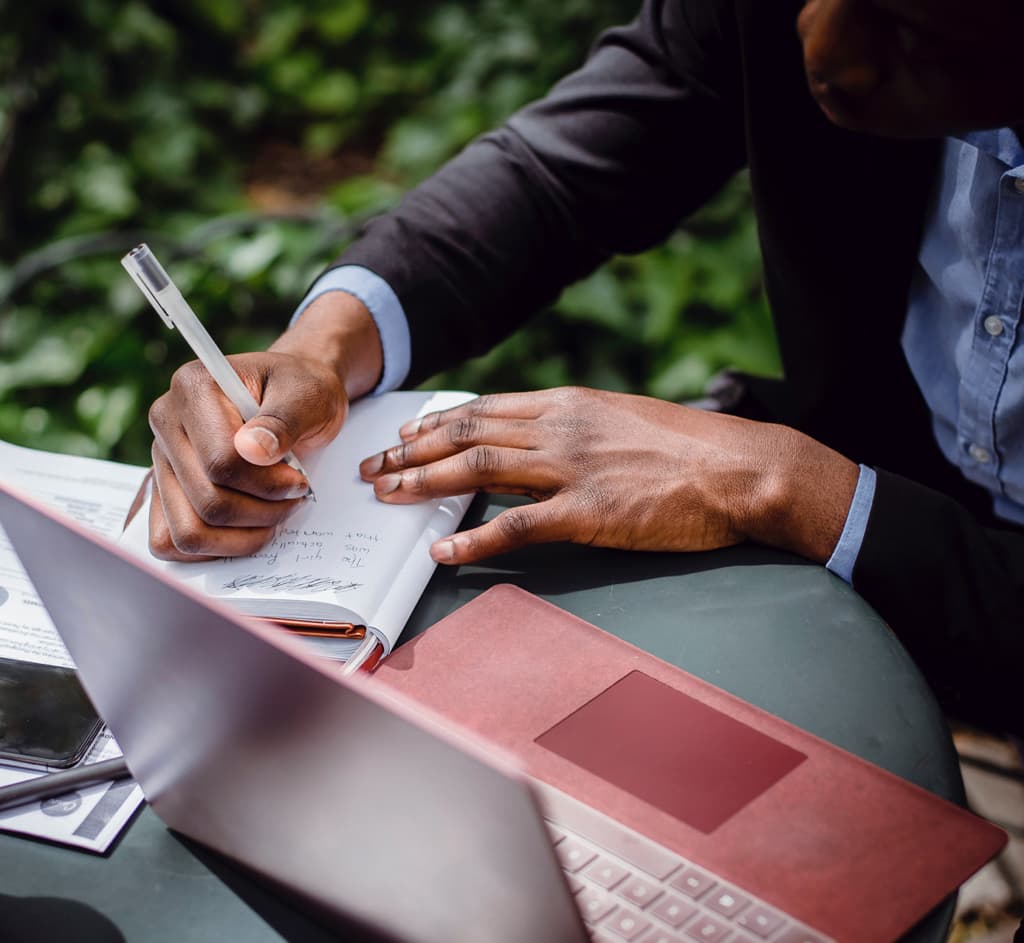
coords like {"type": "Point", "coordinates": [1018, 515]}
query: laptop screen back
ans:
{"type": "Point", "coordinates": [341, 793]}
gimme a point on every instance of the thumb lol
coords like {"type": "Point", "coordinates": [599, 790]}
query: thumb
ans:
{"type": "Point", "coordinates": [258, 442]}
{"type": "Point", "coordinates": [302, 403]}
{"type": "Point", "coordinates": [303, 412]}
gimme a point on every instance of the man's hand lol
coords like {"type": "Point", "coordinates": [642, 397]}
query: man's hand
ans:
{"type": "Point", "coordinates": [615, 470]}
{"type": "Point", "coordinates": [219, 486]}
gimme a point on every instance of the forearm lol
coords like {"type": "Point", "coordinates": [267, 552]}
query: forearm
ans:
{"type": "Point", "coordinates": [337, 330]}
{"type": "Point", "coordinates": [609, 162]}
{"type": "Point", "coordinates": [801, 494]}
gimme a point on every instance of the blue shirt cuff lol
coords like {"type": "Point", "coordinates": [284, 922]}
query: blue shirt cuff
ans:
{"type": "Point", "coordinates": [845, 554]}
{"type": "Point", "coordinates": [385, 309]}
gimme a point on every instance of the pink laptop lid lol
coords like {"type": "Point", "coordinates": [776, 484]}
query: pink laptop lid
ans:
{"type": "Point", "coordinates": [831, 839]}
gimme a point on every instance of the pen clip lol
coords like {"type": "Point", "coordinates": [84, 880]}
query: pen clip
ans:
{"type": "Point", "coordinates": [141, 266]}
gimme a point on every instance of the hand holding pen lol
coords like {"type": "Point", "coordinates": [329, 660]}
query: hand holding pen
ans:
{"type": "Point", "coordinates": [220, 486]}
{"type": "Point", "coordinates": [170, 304]}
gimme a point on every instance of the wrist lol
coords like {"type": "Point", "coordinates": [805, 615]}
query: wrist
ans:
{"type": "Point", "coordinates": [803, 498]}
{"type": "Point", "coordinates": [337, 330]}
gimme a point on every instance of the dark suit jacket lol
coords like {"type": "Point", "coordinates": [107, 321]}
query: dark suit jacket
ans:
{"type": "Point", "coordinates": [665, 110]}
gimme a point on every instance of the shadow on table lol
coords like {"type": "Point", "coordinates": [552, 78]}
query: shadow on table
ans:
{"type": "Point", "coordinates": [31, 919]}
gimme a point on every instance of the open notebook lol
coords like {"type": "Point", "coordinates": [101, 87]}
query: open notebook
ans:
{"type": "Point", "coordinates": [677, 811]}
{"type": "Point", "coordinates": [346, 559]}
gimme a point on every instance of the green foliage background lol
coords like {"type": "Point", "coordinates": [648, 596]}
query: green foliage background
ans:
{"type": "Point", "coordinates": [245, 140]}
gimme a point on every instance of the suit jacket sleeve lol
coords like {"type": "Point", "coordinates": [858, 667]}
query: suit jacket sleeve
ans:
{"type": "Point", "coordinates": [953, 592]}
{"type": "Point", "coordinates": [608, 162]}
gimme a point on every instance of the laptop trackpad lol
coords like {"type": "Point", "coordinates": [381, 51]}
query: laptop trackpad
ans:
{"type": "Point", "coordinates": [670, 750]}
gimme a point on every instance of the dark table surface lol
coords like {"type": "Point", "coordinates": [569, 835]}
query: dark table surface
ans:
{"type": "Point", "coordinates": [782, 633]}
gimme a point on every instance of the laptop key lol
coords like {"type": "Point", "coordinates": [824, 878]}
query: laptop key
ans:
{"type": "Point", "coordinates": [594, 904]}
{"type": "Point", "coordinates": [639, 891]}
{"type": "Point", "coordinates": [627, 924]}
{"type": "Point", "coordinates": [761, 920]}
{"type": "Point", "coordinates": [673, 910]}
{"type": "Point", "coordinates": [573, 855]}
{"type": "Point", "coordinates": [727, 901]}
{"type": "Point", "coordinates": [605, 872]}
{"type": "Point", "coordinates": [707, 929]}
{"type": "Point", "coordinates": [693, 882]}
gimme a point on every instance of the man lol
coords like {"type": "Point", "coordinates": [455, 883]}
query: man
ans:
{"type": "Point", "coordinates": [885, 243]}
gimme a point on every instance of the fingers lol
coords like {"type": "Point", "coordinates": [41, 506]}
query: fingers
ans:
{"type": "Point", "coordinates": [482, 433]}
{"type": "Point", "coordinates": [204, 461]}
{"type": "Point", "coordinates": [501, 406]}
{"type": "Point", "coordinates": [544, 522]}
{"type": "Point", "coordinates": [516, 443]}
{"type": "Point", "coordinates": [179, 531]}
{"type": "Point", "coordinates": [194, 425]}
{"type": "Point", "coordinates": [221, 485]}
{"type": "Point", "coordinates": [302, 406]}
{"type": "Point", "coordinates": [161, 544]}
{"type": "Point", "coordinates": [480, 468]}
{"type": "Point", "coordinates": [216, 505]}
{"type": "Point", "coordinates": [459, 434]}
{"type": "Point", "coordinates": [494, 443]}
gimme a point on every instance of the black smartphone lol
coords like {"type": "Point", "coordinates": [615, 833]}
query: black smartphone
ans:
{"type": "Point", "coordinates": [46, 718]}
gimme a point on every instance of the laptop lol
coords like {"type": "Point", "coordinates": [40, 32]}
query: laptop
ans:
{"type": "Point", "coordinates": [459, 794]}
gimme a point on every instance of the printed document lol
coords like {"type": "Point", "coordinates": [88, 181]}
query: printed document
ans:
{"type": "Point", "coordinates": [97, 494]}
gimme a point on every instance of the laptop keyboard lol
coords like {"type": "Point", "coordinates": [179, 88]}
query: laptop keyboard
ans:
{"type": "Point", "coordinates": [628, 888]}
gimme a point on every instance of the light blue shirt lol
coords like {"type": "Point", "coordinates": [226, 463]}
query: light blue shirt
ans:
{"type": "Point", "coordinates": [961, 338]}
{"type": "Point", "coordinates": [962, 334]}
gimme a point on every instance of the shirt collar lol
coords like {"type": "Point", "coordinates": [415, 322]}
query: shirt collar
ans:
{"type": "Point", "coordinates": [1000, 143]}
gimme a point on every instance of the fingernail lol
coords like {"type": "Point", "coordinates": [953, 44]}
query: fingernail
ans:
{"type": "Point", "coordinates": [263, 439]}
{"type": "Point", "coordinates": [388, 483]}
{"type": "Point", "coordinates": [373, 464]}
{"type": "Point", "coordinates": [443, 551]}
{"type": "Point", "coordinates": [301, 490]}
{"type": "Point", "coordinates": [410, 428]}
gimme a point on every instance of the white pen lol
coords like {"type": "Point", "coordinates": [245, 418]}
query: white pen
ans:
{"type": "Point", "coordinates": [172, 307]}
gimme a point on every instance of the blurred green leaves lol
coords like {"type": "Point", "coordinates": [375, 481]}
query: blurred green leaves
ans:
{"type": "Point", "coordinates": [245, 141]}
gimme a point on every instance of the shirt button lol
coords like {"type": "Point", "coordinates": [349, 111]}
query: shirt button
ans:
{"type": "Point", "coordinates": [1018, 184]}
{"type": "Point", "coordinates": [980, 454]}
{"type": "Point", "coordinates": [994, 325]}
